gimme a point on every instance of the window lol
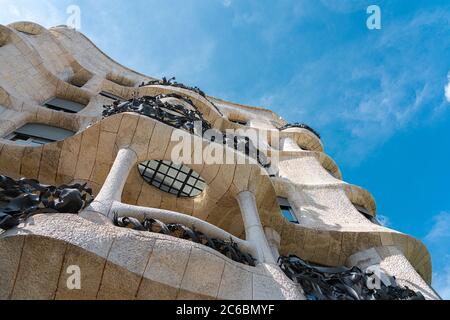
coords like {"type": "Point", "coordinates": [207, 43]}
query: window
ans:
{"type": "Point", "coordinates": [59, 104]}
{"type": "Point", "coordinates": [304, 148]}
{"type": "Point", "coordinates": [287, 211]}
{"type": "Point", "coordinates": [366, 214]}
{"type": "Point", "coordinates": [241, 122]}
{"type": "Point", "coordinates": [178, 180]}
{"type": "Point", "coordinates": [36, 134]}
{"type": "Point", "coordinates": [26, 32]}
{"type": "Point", "coordinates": [111, 96]}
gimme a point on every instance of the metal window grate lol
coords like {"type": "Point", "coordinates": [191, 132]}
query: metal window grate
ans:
{"type": "Point", "coordinates": [178, 180]}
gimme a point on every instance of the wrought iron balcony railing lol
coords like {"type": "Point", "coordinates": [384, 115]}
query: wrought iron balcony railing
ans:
{"type": "Point", "coordinates": [179, 116]}
{"type": "Point", "coordinates": [228, 248]}
{"type": "Point", "coordinates": [171, 82]}
{"type": "Point", "coordinates": [170, 113]}
{"type": "Point", "coordinates": [302, 126]}
{"type": "Point", "coordinates": [20, 199]}
{"type": "Point", "coordinates": [342, 283]}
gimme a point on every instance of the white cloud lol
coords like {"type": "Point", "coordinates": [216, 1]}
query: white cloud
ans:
{"type": "Point", "coordinates": [447, 88]}
{"type": "Point", "coordinates": [345, 6]}
{"type": "Point", "coordinates": [441, 228]}
{"type": "Point", "coordinates": [441, 283]}
{"type": "Point", "coordinates": [369, 101]}
{"type": "Point", "coordinates": [384, 220]}
{"type": "Point", "coordinates": [438, 242]}
{"type": "Point", "coordinates": [47, 13]}
{"type": "Point", "coordinates": [227, 3]}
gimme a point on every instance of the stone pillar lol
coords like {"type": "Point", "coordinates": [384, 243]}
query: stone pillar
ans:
{"type": "Point", "coordinates": [390, 259]}
{"type": "Point", "coordinates": [115, 182]}
{"type": "Point", "coordinates": [274, 240]}
{"type": "Point", "coordinates": [253, 228]}
{"type": "Point", "coordinates": [287, 144]}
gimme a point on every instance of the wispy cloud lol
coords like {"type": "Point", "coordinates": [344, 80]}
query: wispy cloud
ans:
{"type": "Point", "coordinates": [384, 220]}
{"type": "Point", "coordinates": [45, 12]}
{"type": "Point", "coordinates": [440, 231]}
{"type": "Point", "coordinates": [441, 283]}
{"type": "Point", "coordinates": [438, 242]}
{"type": "Point", "coordinates": [345, 6]}
{"type": "Point", "coordinates": [447, 88]}
{"type": "Point", "coordinates": [227, 3]}
{"type": "Point", "coordinates": [366, 89]}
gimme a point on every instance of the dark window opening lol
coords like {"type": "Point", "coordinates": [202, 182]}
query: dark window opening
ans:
{"type": "Point", "coordinates": [304, 148]}
{"type": "Point", "coordinates": [178, 180]}
{"type": "Point", "coordinates": [287, 211]}
{"type": "Point", "coordinates": [241, 122]}
{"type": "Point", "coordinates": [366, 214]}
{"type": "Point", "coordinates": [111, 96]}
{"type": "Point", "coordinates": [59, 104]}
{"type": "Point", "coordinates": [26, 32]}
{"type": "Point", "coordinates": [36, 134]}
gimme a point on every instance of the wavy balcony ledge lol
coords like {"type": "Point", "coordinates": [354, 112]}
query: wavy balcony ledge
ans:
{"type": "Point", "coordinates": [121, 263]}
{"type": "Point", "coordinates": [62, 162]}
{"type": "Point", "coordinates": [88, 156]}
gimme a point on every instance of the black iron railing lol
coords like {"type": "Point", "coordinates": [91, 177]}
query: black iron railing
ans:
{"type": "Point", "coordinates": [20, 199]}
{"type": "Point", "coordinates": [171, 82]}
{"type": "Point", "coordinates": [342, 283]}
{"type": "Point", "coordinates": [171, 113]}
{"type": "Point", "coordinates": [178, 116]}
{"type": "Point", "coordinates": [302, 126]}
{"type": "Point", "coordinates": [228, 248]}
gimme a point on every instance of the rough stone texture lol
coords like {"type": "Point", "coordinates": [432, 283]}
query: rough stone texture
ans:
{"type": "Point", "coordinates": [157, 266]}
{"type": "Point", "coordinates": [122, 264]}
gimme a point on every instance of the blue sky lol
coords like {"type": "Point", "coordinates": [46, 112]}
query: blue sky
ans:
{"type": "Point", "coordinates": [378, 97]}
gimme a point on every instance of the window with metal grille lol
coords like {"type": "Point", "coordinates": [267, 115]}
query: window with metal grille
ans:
{"type": "Point", "coordinates": [36, 134]}
{"type": "Point", "coordinates": [175, 179]}
{"type": "Point", "coordinates": [59, 104]}
{"type": "Point", "coordinates": [287, 211]}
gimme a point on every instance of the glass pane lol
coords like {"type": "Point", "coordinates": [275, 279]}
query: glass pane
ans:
{"type": "Point", "coordinates": [288, 214]}
{"type": "Point", "coordinates": [172, 173]}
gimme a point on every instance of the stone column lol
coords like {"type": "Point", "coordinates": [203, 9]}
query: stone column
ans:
{"type": "Point", "coordinates": [115, 182]}
{"type": "Point", "coordinates": [253, 228]}
{"type": "Point", "coordinates": [274, 240]}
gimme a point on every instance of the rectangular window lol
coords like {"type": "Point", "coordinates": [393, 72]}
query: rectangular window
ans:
{"type": "Point", "coordinates": [111, 96]}
{"type": "Point", "coordinates": [287, 211]}
{"type": "Point", "coordinates": [59, 104]}
{"type": "Point", "coordinates": [241, 122]}
{"type": "Point", "coordinates": [28, 140]}
{"type": "Point", "coordinates": [36, 134]}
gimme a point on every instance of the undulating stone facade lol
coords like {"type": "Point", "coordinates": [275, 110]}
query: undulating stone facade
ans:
{"type": "Point", "coordinates": [240, 201]}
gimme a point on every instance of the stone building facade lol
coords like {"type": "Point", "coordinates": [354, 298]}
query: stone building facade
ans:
{"type": "Point", "coordinates": [54, 84]}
